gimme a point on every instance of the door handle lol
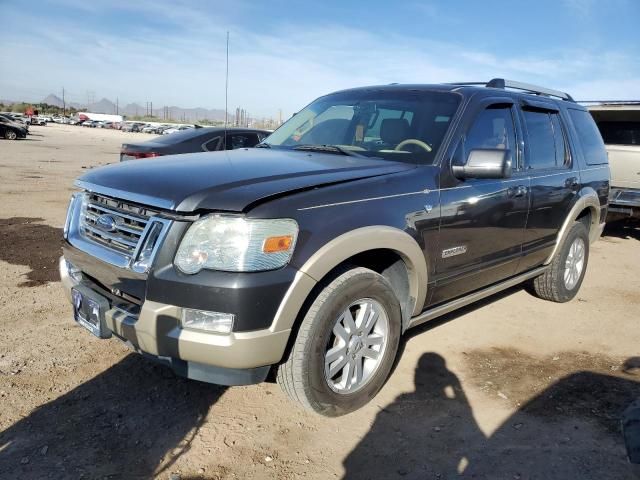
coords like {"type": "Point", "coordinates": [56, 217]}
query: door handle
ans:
{"type": "Point", "coordinates": [519, 191]}
{"type": "Point", "coordinates": [571, 182]}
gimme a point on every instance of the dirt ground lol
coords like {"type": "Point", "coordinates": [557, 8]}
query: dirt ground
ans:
{"type": "Point", "coordinates": [512, 388]}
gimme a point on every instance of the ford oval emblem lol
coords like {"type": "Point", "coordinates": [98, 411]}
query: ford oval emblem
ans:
{"type": "Point", "coordinates": [106, 223]}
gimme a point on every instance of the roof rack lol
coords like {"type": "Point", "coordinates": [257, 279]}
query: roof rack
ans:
{"type": "Point", "coordinates": [526, 87]}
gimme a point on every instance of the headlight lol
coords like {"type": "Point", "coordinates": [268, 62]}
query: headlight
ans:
{"type": "Point", "coordinates": [236, 244]}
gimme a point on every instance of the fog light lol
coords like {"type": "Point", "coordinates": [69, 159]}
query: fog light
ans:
{"type": "Point", "coordinates": [73, 272]}
{"type": "Point", "coordinates": [209, 321]}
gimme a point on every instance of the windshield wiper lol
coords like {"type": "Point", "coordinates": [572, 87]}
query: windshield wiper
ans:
{"type": "Point", "coordinates": [328, 148]}
{"type": "Point", "coordinates": [262, 145]}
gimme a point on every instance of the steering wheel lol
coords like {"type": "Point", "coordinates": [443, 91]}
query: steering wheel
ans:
{"type": "Point", "coordinates": [413, 141]}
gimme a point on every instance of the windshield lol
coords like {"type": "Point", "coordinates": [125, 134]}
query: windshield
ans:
{"type": "Point", "coordinates": [400, 125]}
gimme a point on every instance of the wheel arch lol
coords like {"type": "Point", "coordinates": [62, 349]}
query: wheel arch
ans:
{"type": "Point", "coordinates": [359, 247]}
{"type": "Point", "coordinates": [587, 206]}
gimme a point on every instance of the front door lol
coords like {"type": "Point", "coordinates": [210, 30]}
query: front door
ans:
{"type": "Point", "coordinates": [482, 220]}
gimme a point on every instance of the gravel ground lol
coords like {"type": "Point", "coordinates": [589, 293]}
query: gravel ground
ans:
{"type": "Point", "coordinates": [512, 388]}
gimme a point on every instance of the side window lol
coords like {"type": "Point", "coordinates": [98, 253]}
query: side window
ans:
{"type": "Point", "coordinates": [492, 128]}
{"type": "Point", "coordinates": [211, 145]}
{"type": "Point", "coordinates": [589, 136]}
{"type": "Point", "coordinates": [244, 140]}
{"type": "Point", "coordinates": [541, 144]}
{"type": "Point", "coordinates": [562, 152]}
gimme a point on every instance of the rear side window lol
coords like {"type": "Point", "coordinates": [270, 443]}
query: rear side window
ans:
{"type": "Point", "coordinates": [546, 145]}
{"type": "Point", "coordinates": [589, 136]}
{"type": "Point", "coordinates": [245, 140]}
{"type": "Point", "coordinates": [211, 145]}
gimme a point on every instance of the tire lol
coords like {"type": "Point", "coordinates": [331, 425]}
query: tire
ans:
{"type": "Point", "coordinates": [10, 134]}
{"type": "Point", "coordinates": [553, 284]}
{"type": "Point", "coordinates": [303, 375]}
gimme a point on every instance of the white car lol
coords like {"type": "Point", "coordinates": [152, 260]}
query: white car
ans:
{"type": "Point", "coordinates": [176, 129]}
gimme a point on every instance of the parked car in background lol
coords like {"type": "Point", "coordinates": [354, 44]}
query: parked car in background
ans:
{"type": "Point", "coordinates": [149, 129]}
{"type": "Point", "coordinates": [178, 128]}
{"type": "Point", "coordinates": [619, 125]}
{"type": "Point", "coordinates": [371, 211]}
{"type": "Point", "coordinates": [132, 126]}
{"type": "Point", "coordinates": [160, 130]}
{"type": "Point", "coordinates": [203, 139]}
{"type": "Point", "coordinates": [8, 117]}
{"type": "Point", "coordinates": [11, 130]}
{"type": "Point", "coordinates": [21, 118]}
{"type": "Point", "coordinates": [38, 120]}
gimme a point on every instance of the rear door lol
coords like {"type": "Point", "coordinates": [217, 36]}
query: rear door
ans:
{"type": "Point", "coordinates": [554, 178]}
{"type": "Point", "coordinates": [482, 220]}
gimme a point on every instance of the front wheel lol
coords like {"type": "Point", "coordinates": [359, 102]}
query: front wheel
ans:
{"type": "Point", "coordinates": [10, 135]}
{"type": "Point", "coordinates": [562, 280]}
{"type": "Point", "coordinates": [346, 344]}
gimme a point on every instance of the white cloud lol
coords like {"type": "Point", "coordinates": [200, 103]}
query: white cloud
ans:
{"type": "Point", "coordinates": [269, 70]}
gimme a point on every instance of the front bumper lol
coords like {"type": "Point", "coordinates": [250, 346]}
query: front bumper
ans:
{"type": "Point", "coordinates": [153, 328]}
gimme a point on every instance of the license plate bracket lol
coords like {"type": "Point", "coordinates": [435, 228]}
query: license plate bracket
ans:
{"type": "Point", "coordinates": [89, 310]}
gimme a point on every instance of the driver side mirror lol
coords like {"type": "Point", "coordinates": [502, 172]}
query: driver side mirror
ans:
{"type": "Point", "coordinates": [485, 163]}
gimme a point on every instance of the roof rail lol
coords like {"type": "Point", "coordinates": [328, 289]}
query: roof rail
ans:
{"type": "Point", "coordinates": [502, 83]}
{"type": "Point", "coordinates": [526, 87]}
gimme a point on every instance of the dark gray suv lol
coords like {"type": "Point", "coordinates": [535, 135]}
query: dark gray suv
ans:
{"type": "Point", "coordinates": [370, 211]}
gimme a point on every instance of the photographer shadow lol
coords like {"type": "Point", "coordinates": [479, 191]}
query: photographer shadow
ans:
{"type": "Point", "coordinates": [134, 420]}
{"type": "Point", "coordinates": [569, 430]}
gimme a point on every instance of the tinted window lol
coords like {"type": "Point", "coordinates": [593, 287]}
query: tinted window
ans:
{"type": "Point", "coordinates": [589, 136]}
{"type": "Point", "coordinates": [212, 145]}
{"type": "Point", "coordinates": [493, 128]}
{"type": "Point", "coordinates": [620, 133]}
{"type": "Point", "coordinates": [541, 140]}
{"type": "Point", "coordinates": [243, 140]}
{"type": "Point", "coordinates": [562, 152]}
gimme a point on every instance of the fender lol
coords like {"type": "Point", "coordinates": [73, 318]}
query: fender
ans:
{"type": "Point", "coordinates": [588, 199]}
{"type": "Point", "coordinates": [346, 246]}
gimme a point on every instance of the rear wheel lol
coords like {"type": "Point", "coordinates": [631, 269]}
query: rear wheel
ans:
{"type": "Point", "coordinates": [10, 135]}
{"type": "Point", "coordinates": [345, 346]}
{"type": "Point", "coordinates": [561, 282]}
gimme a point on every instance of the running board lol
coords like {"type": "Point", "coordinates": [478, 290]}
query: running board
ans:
{"type": "Point", "coordinates": [473, 297]}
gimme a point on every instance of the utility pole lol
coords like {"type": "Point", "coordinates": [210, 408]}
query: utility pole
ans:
{"type": "Point", "coordinates": [151, 109]}
{"type": "Point", "coordinates": [117, 107]}
{"type": "Point", "coordinates": [226, 94]}
{"type": "Point", "coordinates": [64, 105]}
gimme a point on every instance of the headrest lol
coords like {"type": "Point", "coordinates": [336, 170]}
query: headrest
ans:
{"type": "Point", "coordinates": [394, 130]}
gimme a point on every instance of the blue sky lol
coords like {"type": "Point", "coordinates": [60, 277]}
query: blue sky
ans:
{"type": "Point", "coordinates": [284, 54]}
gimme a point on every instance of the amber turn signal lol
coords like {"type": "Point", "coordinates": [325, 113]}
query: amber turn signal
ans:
{"type": "Point", "coordinates": [277, 244]}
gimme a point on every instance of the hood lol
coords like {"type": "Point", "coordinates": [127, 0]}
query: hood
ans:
{"type": "Point", "coordinates": [230, 180]}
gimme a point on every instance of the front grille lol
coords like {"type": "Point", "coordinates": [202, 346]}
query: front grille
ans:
{"type": "Point", "coordinates": [114, 224]}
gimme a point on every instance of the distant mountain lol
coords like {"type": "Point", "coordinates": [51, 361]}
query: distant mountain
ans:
{"type": "Point", "coordinates": [133, 109]}
{"type": "Point", "coordinates": [103, 106]}
{"type": "Point", "coordinates": [52, 99]}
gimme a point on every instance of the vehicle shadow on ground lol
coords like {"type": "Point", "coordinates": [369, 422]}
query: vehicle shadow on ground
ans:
{"type": "Point", "coordinates": [569, 430]}
{"type": "Point", "coordinates": [35, 245]}
{"type": "Point", "coordinates": [132, 421]}
{"type": "Point", "coordinates": [625, 229]}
